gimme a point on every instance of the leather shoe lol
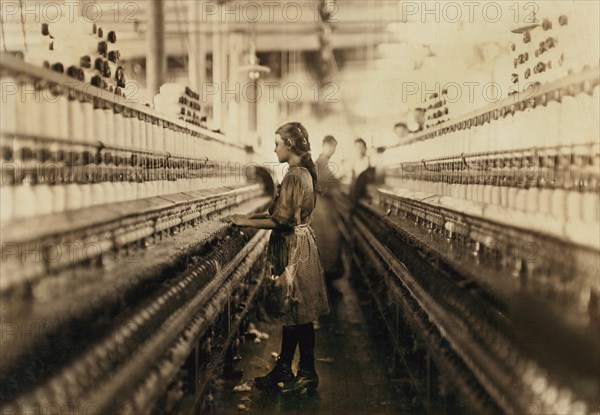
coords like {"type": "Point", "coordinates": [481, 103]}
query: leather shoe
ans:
{"type": "Point", "coordinates": [281, 373]}
{"type": "Point", "coordinates": [306, 381]}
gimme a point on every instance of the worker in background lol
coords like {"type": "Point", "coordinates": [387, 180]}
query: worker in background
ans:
{"type": "Point", "coordinates": [362, 172]}
{"type": "Point", "coordinates": [418, 123]}
{"type": "Point", "coordinates": [326, 171]}
{"type": "Point", "coordinates": [325, 218]}
{"type": "Point", "coordinates": [401, 131]}
{"type": "Point", "coordinates": [361, 161]}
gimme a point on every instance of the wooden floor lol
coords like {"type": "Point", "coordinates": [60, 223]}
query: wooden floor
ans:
{"type": "Point", "coordinates": [353, 367]}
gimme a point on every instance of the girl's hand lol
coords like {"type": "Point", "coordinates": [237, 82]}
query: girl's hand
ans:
{"type": "Point", "coordinates": [238, 219]}
{"type": "Point", "coordinates": [234, 219]}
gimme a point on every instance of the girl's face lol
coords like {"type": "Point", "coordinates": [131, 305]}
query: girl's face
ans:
{"type": "Point", "coordinates": [281, 149]}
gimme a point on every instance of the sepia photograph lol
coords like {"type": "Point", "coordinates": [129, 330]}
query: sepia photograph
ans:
{"type": "Point", "coordinates": [304, 207]}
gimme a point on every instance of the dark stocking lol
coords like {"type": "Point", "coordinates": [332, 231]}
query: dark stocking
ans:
{"type": "Point", "coordinates": [289, 340]}
{"type": "Point", "coordinates": [306, 340]}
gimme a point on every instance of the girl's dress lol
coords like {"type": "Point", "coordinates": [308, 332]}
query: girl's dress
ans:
{"type": "Point", "coordinates": [291, 209]}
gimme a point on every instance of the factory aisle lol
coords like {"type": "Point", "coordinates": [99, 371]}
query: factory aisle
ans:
{"type": "Point", "coordinates": [352, 366]}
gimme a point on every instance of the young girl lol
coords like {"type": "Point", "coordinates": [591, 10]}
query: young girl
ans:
{"type": "Point", "coordinates": [289, 216]}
